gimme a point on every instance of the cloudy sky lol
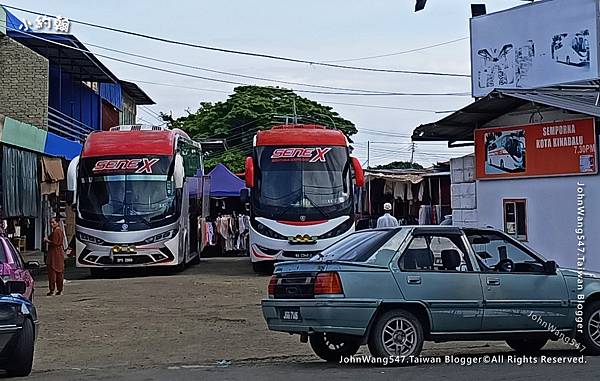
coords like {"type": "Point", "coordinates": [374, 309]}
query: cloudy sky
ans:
{"type": "Point", "coordinates": [316, 30]}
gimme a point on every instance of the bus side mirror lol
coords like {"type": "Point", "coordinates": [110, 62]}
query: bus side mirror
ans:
{"type": "Point", "coordinates": [359, 174]}
{"type": "Point", "coordinates": [244, 195]}
{"type": "Point", "coordinates": [249, 172]}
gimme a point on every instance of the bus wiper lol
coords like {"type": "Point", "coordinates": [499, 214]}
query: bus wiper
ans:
{"type": "Point", "coordinates": [319, 208]}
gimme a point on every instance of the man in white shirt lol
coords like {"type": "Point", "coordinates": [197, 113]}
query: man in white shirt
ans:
{"type": "Point", "coordinates": [387, 220]}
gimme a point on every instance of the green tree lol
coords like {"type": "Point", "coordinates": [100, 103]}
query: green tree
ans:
{"type": "Point", "coordinates": [400, 165]}
{"type": "Point", "coordinates": [248, 110]}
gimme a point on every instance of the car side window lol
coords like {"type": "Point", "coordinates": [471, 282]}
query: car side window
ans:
{"type": "Point", "coordinates": [16, 255]}
{"type": "Point", "coordinates": [386, 252]}
{"type": "Point", "coordinates": [435, 253]}
{"type": "Point", "coordinates": [498, 253]}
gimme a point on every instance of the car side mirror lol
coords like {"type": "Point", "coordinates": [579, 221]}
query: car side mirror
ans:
{"type": "Point", "coordinates": [15, 287]}
{"type": "Point", "coordinates": [550, 267]}
{"type": "Point", "coordinates": [244, 196]}
{"type": "Point", "coordinates": [32, 265]}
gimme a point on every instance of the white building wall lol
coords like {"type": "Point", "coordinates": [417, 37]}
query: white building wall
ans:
{"type": "Point", "coordinates": [551, 214]}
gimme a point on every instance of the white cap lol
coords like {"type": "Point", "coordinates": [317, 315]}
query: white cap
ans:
{"type": "Point", "coordinates": [387, 206]}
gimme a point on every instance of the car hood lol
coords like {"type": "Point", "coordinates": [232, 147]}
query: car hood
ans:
{"type": "Point", "coordinates": [586, 274]}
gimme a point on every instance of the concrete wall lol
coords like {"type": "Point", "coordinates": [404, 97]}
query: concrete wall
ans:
{"type": "Point", "coordinates": [551, 214]}
{"type": "Point", "coordinates": [23, 83]}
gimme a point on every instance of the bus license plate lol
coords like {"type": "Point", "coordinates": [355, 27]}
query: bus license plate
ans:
{"type": "Point", "coordinates": [303, 255]}
{"type": "Point", "coordinates": [291, 314]}
{"type": "Point", "coordinates": [123, 260]}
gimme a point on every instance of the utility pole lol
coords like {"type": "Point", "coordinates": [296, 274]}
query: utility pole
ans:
{"type": "Point", "coordinates": [412, 152]}
{"type": "Point", "coordinates": [295, 114]}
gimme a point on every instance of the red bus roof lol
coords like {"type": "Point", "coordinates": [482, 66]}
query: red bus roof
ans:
{"type": "Point", "coordinates": [300, 134]}
{"type": "Point", "coordinates": [116, 143]}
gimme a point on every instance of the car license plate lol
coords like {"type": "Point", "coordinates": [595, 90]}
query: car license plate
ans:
{"type": "Point", "coordinates": [290, 314]}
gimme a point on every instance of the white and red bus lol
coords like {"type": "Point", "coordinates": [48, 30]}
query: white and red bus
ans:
{"type": "Point", "coordinates": [138, 196]}
{"type": "Point", "coordinates": [301, 180]}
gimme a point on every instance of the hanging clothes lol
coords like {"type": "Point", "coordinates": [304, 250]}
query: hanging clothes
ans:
{"type": "Point", "coordinates": [421, 190]}
{"type": "Point", "coordinates": [409, 193]}
{"type": "Point", "coordinates": [399, 190]}
{"type": "Point", "coordinates": [388, 187]}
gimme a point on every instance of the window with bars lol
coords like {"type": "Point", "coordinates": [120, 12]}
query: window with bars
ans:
{"type": "Point", "coordinates": [515, 218]}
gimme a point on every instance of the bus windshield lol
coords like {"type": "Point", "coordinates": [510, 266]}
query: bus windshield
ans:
{"type": "Point", "coordinates": [127, 198]}
{"type": "Point", "coordinates": [311, 181]}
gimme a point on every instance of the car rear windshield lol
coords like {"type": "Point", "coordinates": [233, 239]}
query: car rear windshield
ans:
{"type": "Point", "coordinates": [357, 247]}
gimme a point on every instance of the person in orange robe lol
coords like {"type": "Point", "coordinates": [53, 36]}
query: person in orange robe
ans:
{"type": "Point", "coordinates": [55, 261]}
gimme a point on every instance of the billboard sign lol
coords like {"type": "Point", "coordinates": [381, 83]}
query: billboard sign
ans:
{"type": "Point", "coordinates": [535, 45]}
{"type": "Point", "coordinates": [537, 150]}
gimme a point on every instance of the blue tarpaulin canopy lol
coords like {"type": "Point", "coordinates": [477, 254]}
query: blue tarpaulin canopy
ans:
{"type": "Point", "coordinates": [223, 183]}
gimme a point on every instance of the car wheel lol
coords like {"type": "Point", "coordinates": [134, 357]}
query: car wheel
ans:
{"type": "Point", "coordinates": [21, 355]}
{"type": "Point", "coordinates": [396, 333]}
{"type": "Point", "coordinates": [591, 329]}
{"type": "Point", "coordinates": [263, 267]}
{"type": "Point", "coordinates": [527, 345]}
{"type": "Point", "coordinates": [332, 346]}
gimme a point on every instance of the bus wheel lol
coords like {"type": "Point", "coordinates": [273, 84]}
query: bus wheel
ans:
{"type": "Point", "coordinates": [263, 267]}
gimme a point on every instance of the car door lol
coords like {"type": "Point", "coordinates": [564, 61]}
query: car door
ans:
{"type": "Point", "coordinates": [434, 268]}
{"type": "Point", "coordinates": [516, 287]}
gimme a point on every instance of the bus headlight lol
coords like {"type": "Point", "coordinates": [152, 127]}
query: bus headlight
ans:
{"type": "Point", "coordinates": [266, 231]}
{"type": "Point", "coordinates": [161, 236]}
{"type": "Point", "coordinates": [338, 230]}
{"type": "Point", "coordinates": [88, 238]}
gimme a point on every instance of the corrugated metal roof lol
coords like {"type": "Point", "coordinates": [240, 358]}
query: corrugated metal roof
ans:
{"type": "Point", "coordinates": [136, 93]}
{"type": "Point", "coordinates": [460, 125]}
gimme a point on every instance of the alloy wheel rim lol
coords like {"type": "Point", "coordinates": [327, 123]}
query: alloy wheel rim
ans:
{"type": "Point", "coordinates": [399, 337]}
{"type": "Point", "coordinates": [594, 327]}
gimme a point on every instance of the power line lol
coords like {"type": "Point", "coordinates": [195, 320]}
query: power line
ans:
{"type": "Point", "coordinates": [178, 86]}
{"type": "Point", "coordinates": [399, 53]}
{"type": "Point", "coordinates": [246, 53]}
{"type": "Point", "coordinates": [325, 102]}
{"type": "Point", "coordinates": [250, 76]}
{"type": "Point", "coordinates": [216, 79]}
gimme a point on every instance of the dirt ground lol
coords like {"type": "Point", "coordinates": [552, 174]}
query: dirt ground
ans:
{"type": "Point", "coordinates": [207, 313]}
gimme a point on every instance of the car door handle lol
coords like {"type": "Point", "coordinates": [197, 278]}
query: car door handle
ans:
{"type": "Point", "coordinates": [493, 281]}
{"type": "Point", "coordinates": [413, 279]}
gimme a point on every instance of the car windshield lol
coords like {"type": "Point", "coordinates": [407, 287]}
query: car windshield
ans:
{"type": "Point", "coordinates": [364, 246]}
{"type": "Point", "coordinates": [126, 198]}
{"type": "Point", "coordinates": [312, 181]}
